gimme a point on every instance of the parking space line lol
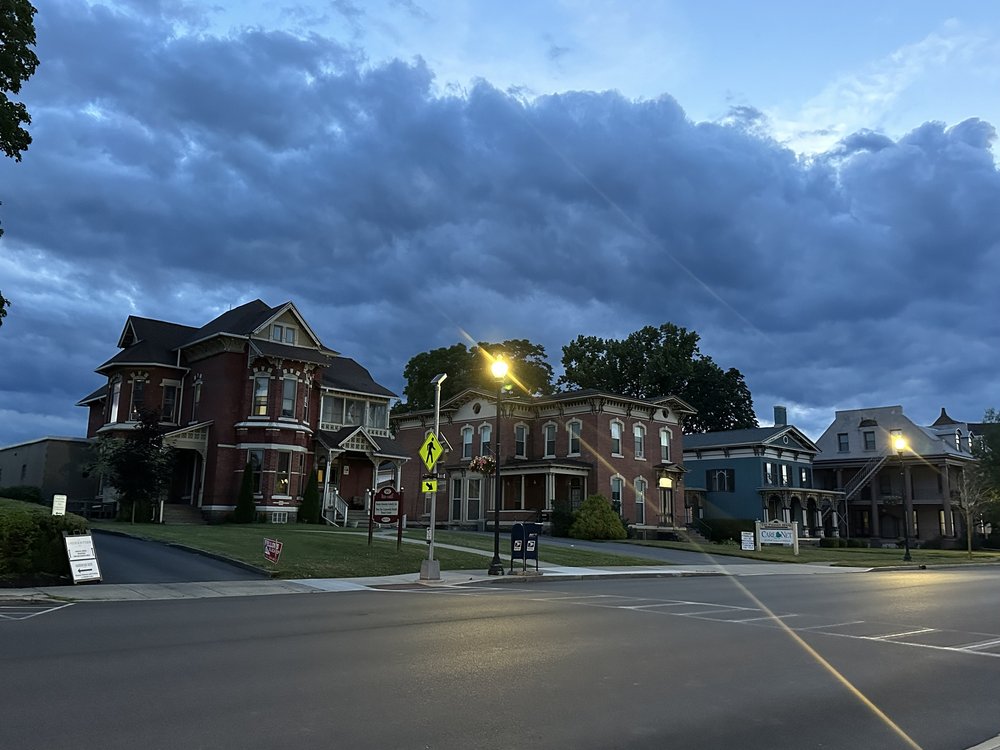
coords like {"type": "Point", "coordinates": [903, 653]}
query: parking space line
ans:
{"type": "Point", "coordinates": [768, 617]}
{"type": "Point", "coordinates": [979, 645]}
{"type": "Point", "coordinates": [900, 635]}
{"type": "Point", "coordinates": [831, 625]}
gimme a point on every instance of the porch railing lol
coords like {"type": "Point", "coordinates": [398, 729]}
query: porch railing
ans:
{"type": "Point", "coordinates": [335, 507]}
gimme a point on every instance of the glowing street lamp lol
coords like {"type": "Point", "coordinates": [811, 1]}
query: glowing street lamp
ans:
{"type": "Point", "coordinates": [499, 369]}
{"type": "Point", "coordinates": [899, 443]}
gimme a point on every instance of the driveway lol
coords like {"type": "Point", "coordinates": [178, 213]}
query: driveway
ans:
{"type": "Point", "coordinates": [127, 560]}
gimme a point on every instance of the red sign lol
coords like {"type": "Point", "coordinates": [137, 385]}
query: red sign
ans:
{"type": "Point", "coordinates": [272, 550]}
{"type": "Point", "coordinates": [385, 507]}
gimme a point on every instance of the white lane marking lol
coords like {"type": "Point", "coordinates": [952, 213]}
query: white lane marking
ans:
{"type": "Point", "coordinates": [901, 635]}
{"type": "Point", "coordinates": [41, 609]}
{"type": "Point", "coordinates": [831, 625]}
{"type": "Point", "coordinates": [979, 645]}
{"type": "Point", "coordinates": [769, 617]}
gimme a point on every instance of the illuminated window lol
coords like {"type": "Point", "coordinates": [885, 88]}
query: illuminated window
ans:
{"type": "Point", "coordinates": [261, 383]}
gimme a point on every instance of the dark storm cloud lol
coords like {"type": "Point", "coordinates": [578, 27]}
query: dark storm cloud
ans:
{"type": "Point", "coordinates": [174, 175]}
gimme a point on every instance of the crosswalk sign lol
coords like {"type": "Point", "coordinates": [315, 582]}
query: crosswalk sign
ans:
{"type": "Point", "coordinates": [430, 451]}
{"type": "Point", "coordinates": [429, 485]}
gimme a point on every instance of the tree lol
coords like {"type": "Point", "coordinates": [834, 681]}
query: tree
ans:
{"type": "Point", "coordinates": [309, 510]}
{"type": "Point", "coordinates": [137, 466]}
{"type": "Point", "coordinates": [654, 362]}
{"type": "Point", "coordinates": [468, 367]}
{"type": "Point", "coordinates": [974, 496]}
{"type": "Point", "coordinates": [17, 64]}
{"type": "Point", "coordinates": [246, 509]}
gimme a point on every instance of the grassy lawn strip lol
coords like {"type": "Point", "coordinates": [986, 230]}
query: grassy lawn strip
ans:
{"type": "Point", "coordinates": [548, 553]}
{"type": "Point", "coordinates": [307, 552]}
{"type": "Point", "coordinates": [860, 557]}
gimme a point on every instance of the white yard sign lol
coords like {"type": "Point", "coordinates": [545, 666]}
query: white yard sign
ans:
{"type": "Point", "coordinates": [775, 532]}
{"type": "Point", "coordinates": [82, 558]}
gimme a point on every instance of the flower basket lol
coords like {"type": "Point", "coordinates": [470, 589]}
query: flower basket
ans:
{"type": "Point", "coordinates": [483, 464]}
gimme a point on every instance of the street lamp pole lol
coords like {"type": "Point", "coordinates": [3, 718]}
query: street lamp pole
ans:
{"type": "Point", "coordinates": [499, 369]}
{"type": "Point", "coordinates": [900, 445]}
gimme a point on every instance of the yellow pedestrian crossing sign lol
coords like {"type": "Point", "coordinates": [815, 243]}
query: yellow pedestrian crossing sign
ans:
{"type": "Point", "coordinates": [430, 451]}
{"type": "Point", "coordinates": [429, 485]}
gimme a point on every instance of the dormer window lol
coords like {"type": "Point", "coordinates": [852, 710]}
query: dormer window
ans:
{"type": "Point", "coordinates": [283, 333]}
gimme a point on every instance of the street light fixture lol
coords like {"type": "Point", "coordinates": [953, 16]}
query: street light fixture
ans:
{"type": "Point", "coordinates": [899, 443]}
{"type": "Point", "coordinates": [499, 369]}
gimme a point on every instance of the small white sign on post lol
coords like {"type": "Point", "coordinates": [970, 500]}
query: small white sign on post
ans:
{"type": "Point", "coordinates": [747, 542]}
{"type": "Point", "coordinates": [59, 505]}
{"type": "Point", "coordinates": [82, 558]}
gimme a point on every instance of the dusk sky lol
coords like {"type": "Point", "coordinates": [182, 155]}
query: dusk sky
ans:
{"type": "Point", "coordinates": [813, 189]}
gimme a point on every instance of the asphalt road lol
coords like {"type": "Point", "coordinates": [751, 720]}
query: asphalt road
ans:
{"type": "Point", "coordinates": [874, 660]}
{"type": "Point", "coordinates": [126, 560]}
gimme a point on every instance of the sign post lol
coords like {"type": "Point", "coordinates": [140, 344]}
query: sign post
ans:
{"type": "Point", "coordinates": [430, 452]}
{"type": "Point", "coordinates": [385, 510]}
{"type": "Point", "coordinates": [778, 532]}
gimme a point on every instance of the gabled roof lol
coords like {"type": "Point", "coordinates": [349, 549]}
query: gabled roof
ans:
{"type": "Point", "coordinates": [383, 447]}
{"type": "Point", "coordinates": [98, 395]}
{"type": "Point", "coordinates": [240, 321]}
{"type": "Point", "coordinates": [752, 436]}
{"type": "Point", "coordinates": [344, 374]}
{"type": "Point", "coordinates": [148, 341]}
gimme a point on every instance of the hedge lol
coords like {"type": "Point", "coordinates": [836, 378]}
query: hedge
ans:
{"type": "Point", "coordinates": [32, 550]}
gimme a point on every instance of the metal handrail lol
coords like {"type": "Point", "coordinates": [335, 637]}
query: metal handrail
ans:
{"type": "Point", "coordinates": [866, 472]}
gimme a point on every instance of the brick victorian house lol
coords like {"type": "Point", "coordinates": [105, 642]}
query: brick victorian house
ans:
{"type": "Point", "coordinates": [255, 385]}
{"type": "Point", "coordinates": [554, 449]}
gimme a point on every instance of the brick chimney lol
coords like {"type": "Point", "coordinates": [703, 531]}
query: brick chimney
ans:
{"type": "Point", "coordinates": [780, 416]}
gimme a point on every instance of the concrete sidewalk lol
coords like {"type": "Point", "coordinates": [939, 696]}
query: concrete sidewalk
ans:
{"type": "Point", "coordinates": [449, 578]}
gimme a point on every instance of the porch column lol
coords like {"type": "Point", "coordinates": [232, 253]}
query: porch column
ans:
{"type": "Point", "coordinates": [836, 518]}
{"type": "Point", "coordinates": [786, 510]}
{"type": "Point", "coordinates": [875, 530]}
{"type": "Point", "coordinates": [201, 484]}
{"type": "Point", "coordinates": [550, 491]}
{"type": "Point", "coordinates": [949, 529]}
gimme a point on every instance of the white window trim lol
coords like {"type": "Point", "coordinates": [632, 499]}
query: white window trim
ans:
{"type": "Point", "coordinates": [636, 426]}
{"type": "Point", "coordinates": [569, 437]}
{"type": "Point", "coordinates": [471, 431]}
{"type": "Point", "coordinates": [485, 427]}
{"type": "Point", "coordinates": [545, 439]}
{"type": "Point", "coordinates": [621, 437]}
{"type": "Point", "coordinates": [527, 432]}
{"type": "Point", "coordinates": [670, 435]}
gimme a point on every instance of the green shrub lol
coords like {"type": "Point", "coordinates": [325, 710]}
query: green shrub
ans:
{"type": "Point", "coordinates": [309, 509]}
{"type": "Point", "coordinates": [721, 529]}
{"type": "Point", "coordinates": [246, 509]}
{"type": "Point", "coordinates": [32, 549]}
{"type": "Point", "coordinates": [834, 541]}
{"type": "Point", "coordinates": [562, 518]}
{"type": "Point", "coordinates": [22, 492]}
{"type": "Point", "coordinates": [856, 542]}
{"type": "Point", "coordinates": [596, 519]}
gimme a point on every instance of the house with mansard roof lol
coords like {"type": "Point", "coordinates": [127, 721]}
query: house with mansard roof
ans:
{"type": "Point", "coordinates": [254, 386]}
{"type": "Point", "coordinates": [893, 493]}
{"type": "Point", "coordinates": [762, 473]}
{"type": "Point", "coordinates": [556, 449]}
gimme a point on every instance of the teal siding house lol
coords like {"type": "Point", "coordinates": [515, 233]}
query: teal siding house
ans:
{"type": "Point", "coordinates": [764, 473]}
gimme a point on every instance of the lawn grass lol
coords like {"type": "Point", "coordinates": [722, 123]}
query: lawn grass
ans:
{"type": "Point", "coordinates": [548, 553]}
{"type": "Point", "coordinates": [323, 552]}
{"type": "Point", "coordinates": [306, 552]}
{"type": "Point", "coordinates": [860, 557]}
